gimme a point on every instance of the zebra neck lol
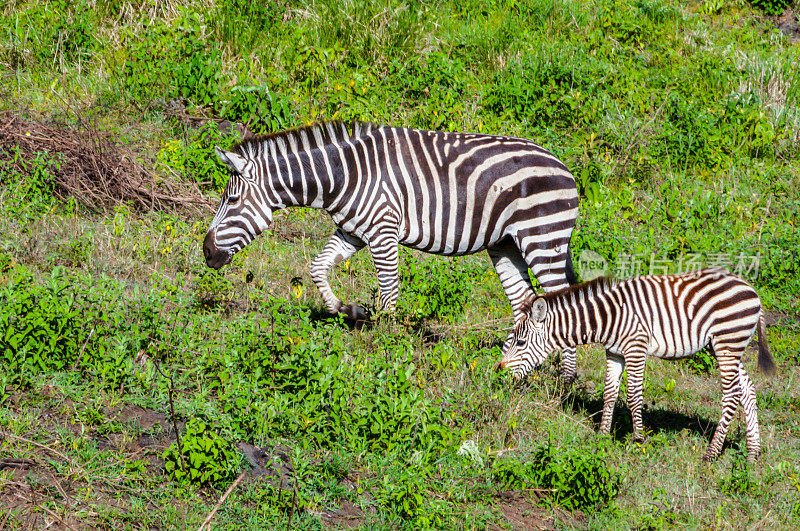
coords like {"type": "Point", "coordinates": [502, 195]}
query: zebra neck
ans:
{"type": "Point", "coordinates": [579, 319]}
{"type": "Point", "coordinates": [301, 177]}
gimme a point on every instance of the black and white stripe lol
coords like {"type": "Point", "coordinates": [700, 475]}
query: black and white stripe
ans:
{"type": "Point", "coordinates": [443, 193]}
{"type": "Point", "coordinates": [670, 316]}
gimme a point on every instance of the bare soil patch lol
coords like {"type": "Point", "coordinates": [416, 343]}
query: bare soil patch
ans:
{"type": "Point", "coordinates": [520, 512]}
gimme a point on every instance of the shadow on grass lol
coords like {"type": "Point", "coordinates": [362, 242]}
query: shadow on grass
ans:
{"type": "Point", "coordinates": [655, 420]}
{"type": "Point", "coordinates": [320, 315]}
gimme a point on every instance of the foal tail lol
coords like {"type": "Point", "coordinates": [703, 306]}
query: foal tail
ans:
{"type": "Point", "coordinates": [765, 362]}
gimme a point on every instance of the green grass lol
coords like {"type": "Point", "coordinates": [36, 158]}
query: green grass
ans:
{"type": "Point", "coordinates": [679, 120]}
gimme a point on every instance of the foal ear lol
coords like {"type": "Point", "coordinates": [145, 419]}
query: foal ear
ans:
{"type": "Point", "coordinates": [230, 159]}
{"type": "Point", "coordinates": [538, 310]}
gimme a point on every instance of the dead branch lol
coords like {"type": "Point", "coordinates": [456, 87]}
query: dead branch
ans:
{"type": "Point", "coordinates": [207, 522]}
{"type": "Point", "coordinates": [92, 166]}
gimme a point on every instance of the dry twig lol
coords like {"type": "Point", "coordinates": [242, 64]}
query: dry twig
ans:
{"type": "Point", "coordinates": [207, 522]}
{"type": "Point", "coordinates": [92, 166]}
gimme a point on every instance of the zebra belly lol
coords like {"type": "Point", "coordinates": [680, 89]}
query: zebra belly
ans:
{"type": "Point", "coordinates": [672, 344]}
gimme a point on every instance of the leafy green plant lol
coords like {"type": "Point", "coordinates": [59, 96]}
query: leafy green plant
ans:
{"type": "Point", "coordinates": [433, 288]}
{"type": "Point", "coordinates": [33, 188]}
{"type": "Point", "coordinates": [771, 7]}
{"type": "Point", "coordinates": [740, 480]}
{"type": "Point", "coordinates": [52, 34]}
{"type": "Point", "coordinates": [577, 478]}
{"type": "Point", "coordinates": [170, 63]}
{"type": "Point", "coordinates": [702, 362]}
{"type": "Point", "coordinates": [543, 90]}
{"type": "Point", "coordinates": [259, 108]}
{"type": "Point", "coordinates": [194, 157]}
{"type": "Point", "coordinates": [208, 457]}
{"type": "Point", "coordinates": [41, 328]}
{"type": "Point", "coordinates": [403, 492]}
{"type": "Point", "coordinates": [242, 24]}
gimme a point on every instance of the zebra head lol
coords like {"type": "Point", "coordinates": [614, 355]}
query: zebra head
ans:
{"type": "Point", "coordinates": [529, 343]}
{"type": "Point", "coordinates": [243, 212]}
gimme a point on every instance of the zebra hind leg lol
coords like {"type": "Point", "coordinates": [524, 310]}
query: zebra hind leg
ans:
{"type": "Point", "coordinates": [615, 364]}
{"type": "Point", "coordinates": [634, 361]}
{"type": "Point", "coordinates": [748, 402]}
{"type": "Point", "coordinates": [731, 397]}
{"type": "Point", "coordinates": [340, 246]}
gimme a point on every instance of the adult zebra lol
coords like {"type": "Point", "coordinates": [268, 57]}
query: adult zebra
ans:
{"type": "Point", "coordinates": [443, 193]}
{"type": "Point", "coordinates": [667, 316]}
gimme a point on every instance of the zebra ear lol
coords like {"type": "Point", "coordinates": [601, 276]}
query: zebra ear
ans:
{"type": "Point", "coordinates": [233, 161]}
{"type": "Point", "coordinates": [538, 310]}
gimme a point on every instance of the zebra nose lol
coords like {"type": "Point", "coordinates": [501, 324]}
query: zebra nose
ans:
{"type": "Point", "coordinates": [209, 248]}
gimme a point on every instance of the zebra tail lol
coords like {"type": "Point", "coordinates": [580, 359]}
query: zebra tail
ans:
{"type": "Point", "coordinates": [765, 362]}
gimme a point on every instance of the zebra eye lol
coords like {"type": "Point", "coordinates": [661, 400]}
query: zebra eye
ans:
{"type": "Point", "coordinates": [521, 342]}
{"type": "Point", "coordinates": [232, 199]}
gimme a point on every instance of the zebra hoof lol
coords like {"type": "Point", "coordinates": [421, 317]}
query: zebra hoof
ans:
{"type": "Point", "coordinates": [569, 379]}
{"type": "Point", "coordinates": [709, 456]}
{"type": "Point", "coordinates": [354, 312]}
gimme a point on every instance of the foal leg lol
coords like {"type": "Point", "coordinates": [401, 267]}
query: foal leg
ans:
{"type": "Point", "coordinates": [748, 402]}
{"type": "Point", "coordinates": [615, 364]}
{"type": "Point", "coordinates": [731, 396]}
{"type": "Point", "coordinates": [635, 362]}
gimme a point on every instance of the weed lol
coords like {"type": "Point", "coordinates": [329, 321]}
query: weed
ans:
{"type": "Point", "coordinates": [577, 479]}
{"type": "Point", "coordinates": [173, 63]}
{"type": "Point", "coordinates": [433, 288]}
{"type": "Point", "coordinates": [191, 157]}
{"type": "Point", "coordinates": [208, 457]}
{"type": "Point", "coordinates": [259, 108]}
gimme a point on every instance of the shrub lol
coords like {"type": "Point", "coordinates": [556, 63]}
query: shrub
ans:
{"type": "Point", "coordinates": [241, 23]}
{"type": "Point", "coordinates": [53, 33]}
{"type": "Point", "coordinates": [771, 7]}
{"type": "Point", "coordinates": [32, 190]}
{"type": "Point", "coordinates": [580, 478]}
{"type": "Point", "coordinates": [702, 362]}
{"type": "Point", "coordinates": [195, 157]}
{"type": "Point", "coordinates": [208, 457]}
{"type": "Point", "coordinates": [41, 325]}
{"type": "Point", "coordinates": [433, 288]}
{"type": "Point", "coordinates": [262, 110]}
{"type": "Point", "coordinates": [403, 493]}
{"type": "Point", "coordinates": [548, 89]}
{"type": "Point", "coordinates": [173, 63]}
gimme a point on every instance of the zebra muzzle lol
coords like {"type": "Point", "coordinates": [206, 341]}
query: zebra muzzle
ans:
{"type": "Point", "coordinates": [215, 258]}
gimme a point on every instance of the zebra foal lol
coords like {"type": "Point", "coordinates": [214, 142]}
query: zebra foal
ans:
{"type": "Point", "coordinates": [443, 193]}
{"type": "Point", "coordinates": [667, 316]}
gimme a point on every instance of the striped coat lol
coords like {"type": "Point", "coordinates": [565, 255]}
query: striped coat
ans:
{"type": "Point", "coordinates": [666, 316]}
{"type": "Point", "coordinates": [443, 193]}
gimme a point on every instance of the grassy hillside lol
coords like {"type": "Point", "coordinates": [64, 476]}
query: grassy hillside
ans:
{"type": "Point", "coordinates": [680, 121]}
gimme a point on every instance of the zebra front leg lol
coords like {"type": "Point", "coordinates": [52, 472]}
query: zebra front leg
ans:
{"type": "Point", "coordinates": [750, 408]}
{"type": "Point", "coordinates": [385, 253]}
{"type": "Point", "coordinates": [615, 364]}
{"type": "Point", "coordinates": [513, 272]}
{"type": "Point", "coordinates": [340, 246]}
{"type": "Point", "coordinates": [731, 396]}
{"type": "Point", "coordinates": [548, 261]}
{"type": "Point", "coordinates": [634, 361]}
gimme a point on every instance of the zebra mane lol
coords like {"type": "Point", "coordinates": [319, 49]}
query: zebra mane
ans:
{"type": "Point", "coordinates": [582, 291]}
{"type": "Point", "coordinates": [316, 135]}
